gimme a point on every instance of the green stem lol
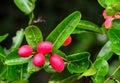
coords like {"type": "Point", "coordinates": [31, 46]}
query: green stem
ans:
{"type": "Point", "coordinates": [112, 74]}
{"type": "Point", "coordinates": [21, 72]}
{"type": "Point", "coordinates": [31, 17]}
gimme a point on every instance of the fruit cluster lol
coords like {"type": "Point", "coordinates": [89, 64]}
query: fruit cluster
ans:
{"type": "Point", "coordinates": [43, 48]}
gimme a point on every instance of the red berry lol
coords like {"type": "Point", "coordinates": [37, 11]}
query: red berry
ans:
{"type": "Point", "coordinates": [44, 47]}
{"type": "Point", "coordinates": [25, 51]}
{"type": "Point", "coordinates": [67, 41]}
{"type": "Point", "coordinates": [57, 62]}
{"type": "Point", "coordinates": [39, 59]}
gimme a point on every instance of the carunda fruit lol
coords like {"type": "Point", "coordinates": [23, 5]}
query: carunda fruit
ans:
{"type": "Point", "coordinates": [39, 59]}
{"type": "Point", "coordinates": [57, 62]}
{"type": "Point", "coordinates": [25, 51]}
{"type": "Point", "coordinates": [67, 41]}
{"type": "Point", "coordinates": [44, 47]}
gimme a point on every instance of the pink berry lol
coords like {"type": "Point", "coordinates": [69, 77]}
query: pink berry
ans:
{"type": "Point", "coordinates": [67, 41]}
{"type": "Point", "coordinates": [105, 15]}
{"type": "Point", "coordinates": [57, 62]}
{"type": "Point", "coordinates": [25, 51]}
{"type": "Point", "coordinates": [116, 15]}
{"type": "Point", "coordinates": [44, 47]}
{"type": "Point", "coordinates": [108, 22]}
{"type": "Point", "coordinates": [39, 59]}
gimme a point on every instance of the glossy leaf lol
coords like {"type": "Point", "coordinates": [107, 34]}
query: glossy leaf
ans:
{"type": "Point", "coordinates": [17, 40]}
{"type": "Point", "coordinates": [91, 71]}
{"type": "Point", "coordinates": [32, 68]}
{"type": "Point", "coordinates": [12, 73]}
{"type": "Point", "coordinates": [109, 2]}
{"type": "Point", "coordinates": [33, 35]}
{"type": "Point", "coordinates": [79, 62]}
{"type": "Point", "coordinates": [2, 54]}
{"type": "Point", "coordinates": [63, 77]}
{"type": "Point", "coordinates": [2, 69]}
{"type": "Point", "coordinates": [47, 67]}
{"type": "Point", "coordinates": [78, 56]}
{"type": "Point", "coordinates": [114, 67]}
{"type": "Point", "coordinates": [20, 81]}
{"type": "Point", "coordinates": [106, 52]}
{"type": "Point", "coordinates": [88, 26]}
{"type": "Point", "coordinates": [14, 59]}
{"type": "Point", "coordinates": [102, 3]}
{"type": "Point", "coordinates": [3, 37]}
{"type": "Point", "coordinates": [113, 6]}
{"type": "Point", "coordinates": [101, 66]}
{"type": "Point", "coordinates": [64, 29]}
{"type": "Point", "coordinates": [62, 54]}
{"type": "Point", "coordinates": [116, 24]}
{"type": "Point", "coordinates": [114, 37]}
{"type": "Point", "coordinates": [25, 6]}
{"type": "Point", "coordinates": [78, 31]}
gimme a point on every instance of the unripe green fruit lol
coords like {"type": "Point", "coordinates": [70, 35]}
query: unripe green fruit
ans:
{"type": "Point", "coordinates": [25, 51]}
{"type": "Point", "coordinates": [57, 62]}
{"type": "Point", "coordinates": [44, 47]}
{"type": "Point", "coordinates": [67, 41]}
{"type": "Point", "coordinates": [39, 59]}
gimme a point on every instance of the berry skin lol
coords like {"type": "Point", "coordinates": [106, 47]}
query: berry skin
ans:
{"type": "Point", "coordinates": [57, 62]}
{"type": "Point", "coordinates": [44, 47]}
{"type": "Point", "coordinates": [108, 22]}
{"type": "Point", "coordinates": [25, 51]}
{"type": "Point", "coordinates": [67, 41]}
{"type": "Point", "coordinates": [39, 59]}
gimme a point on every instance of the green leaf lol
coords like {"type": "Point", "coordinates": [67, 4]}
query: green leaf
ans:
{"type": "Point", "coordinates": [17, 40]}
{"type": "Point", "coordinates": [88, 26]}
{"type": "Point", "coordinates": [2, 54]}
{"type": "Point", "coordinates": [114, 37]}
{"type": "Point", "coordinates": [26, 6]}
{"type": "Point", "coordinates": [78, 31]}
{"type": "Point", "coordinates": [2, 69]}
{"type": "Point", "coordinates": [47, 67]}
{"type": "Point", "coordinates": [113, 6]}
{"type": "Point", "coordinates": [109, 2]}
{"type": "Point", "coordinates": [64, 29]}
{"type": "Point", "coordinates": [102, 3]}
{"type": "Point", "coordinates": [116, 24]}
{"type": "Point", "coordinates": [78, 56]}
{"type": "Point", "coordinates": [62, 54]}
{"type": "Point", "coordinates": [32, 68]}
{"type": "Point", "coordinates": [110, 11]}
{"type": "Point", "coordinates": [3, 37]}
{"type": "Point", "coordinates": [12, 73]}
{"type": "Point", "coordinates": [91, 71]}
{"type": "Point", "coordinates": [20, 81]}
{"type": "Point", "coordinates": [79, 62]}
{"type": "Point", "coordinates": [14, 59]}
{"type": "Point", "coordinates": [102, 68]}
{"type": "Point", "coordinates": [33, 35]}
{"type": "Point", "coordinates": [106, 52]}
{"type": "Point", "coordinates": [63, 77]}
{"type": "Point", "coordinates": [114, 71]}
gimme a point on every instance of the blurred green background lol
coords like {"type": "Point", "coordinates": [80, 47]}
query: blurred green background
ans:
{"type": "Point", "coordinates": [53, 12]}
